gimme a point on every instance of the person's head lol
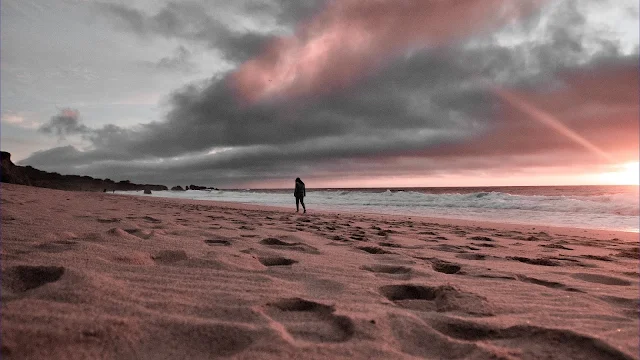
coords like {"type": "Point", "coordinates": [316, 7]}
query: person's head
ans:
{"type": "Point", "coordinates": [298, 180]}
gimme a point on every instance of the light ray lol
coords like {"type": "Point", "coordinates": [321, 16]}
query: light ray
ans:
{"type": "Point", "coordinates": [549, 120]}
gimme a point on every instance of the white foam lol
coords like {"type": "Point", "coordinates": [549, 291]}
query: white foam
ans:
{"type": "Point", "coordinates": [615, 211]}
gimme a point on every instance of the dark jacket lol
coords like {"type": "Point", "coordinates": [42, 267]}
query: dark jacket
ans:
{"type": "Point", "coordinates": [300, 190]}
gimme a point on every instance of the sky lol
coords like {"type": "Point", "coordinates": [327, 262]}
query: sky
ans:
{"type": "Point", "coordinates": [341, 93]}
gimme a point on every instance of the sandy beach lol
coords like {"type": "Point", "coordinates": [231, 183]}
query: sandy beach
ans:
{"type": "Point", "coordinates": [104, 276]}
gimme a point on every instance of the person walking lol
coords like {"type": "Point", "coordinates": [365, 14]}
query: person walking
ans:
{"type": "Point", "coordinates": [300, 193]}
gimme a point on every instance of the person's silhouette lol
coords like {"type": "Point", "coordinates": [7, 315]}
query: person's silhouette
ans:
{"type": "Point", "coordinates": [300, 193]}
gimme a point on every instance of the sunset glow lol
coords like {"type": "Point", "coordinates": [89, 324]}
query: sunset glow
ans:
{"type": "Point", "coordinates": [627, 174]}
{"type": "Point", "coordinates": [552, 122]}
{"type": "Point", "coordinates": [351, 38]}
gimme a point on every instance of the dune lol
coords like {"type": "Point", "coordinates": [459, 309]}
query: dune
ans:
{"type": "Point", "coordinates": [106, 276]}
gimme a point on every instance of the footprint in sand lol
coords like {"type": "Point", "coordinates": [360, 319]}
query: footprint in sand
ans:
{"type": "Point", "coordinates": [487, 245]}
{"type": "Point", "coordinates": [445, 267]}
{"type": "Point", "coordinates": [630, 306]}
{"type": "Point", "coordinates": [392, 245]}
{"type": "Point", "coordinates": [387, 269]}
{"type": "Point", "coordinates": [453, 248]}
{"type": "Point", "coordinates": [139, 233]}
{"type": "Point", "coordinates": [151, 220]}
{"type": "Point", "coordinates": [169, 256]}
{"type": "Point", "coordinates": [275, 242]}
{"type": "Point", "coordinates": [296, 246]}
{"type": "Point", "coordinates": [108, 220]}
{"type": "Point", "coordinates": [596, 257]}
{"type": "Point", "coordinates": [443, 298]}
{"type": "Point", "coordinates": [545, 283]}
{"type": "Point", "coordinates": [217, 242]}
{"type": "Point", "coordinates": [632, 253]}
{"type": "Point", "coordinates": [481, 238]}
{"type": "Point", "coordinates": [171, 338]}
{"type": "Point", "coordinates": [131, 258]}
{"type": "Point", "coordinates": [276, 261]}
{"type": "Point", "coordinates": [555, 246]}
{"type": "Point", "coordinates": [533, 341]}
{"type": "Point", "coordinates": [373, 250]}
{"type": "Point", "coordinates": [468, 256]}
{"type": "Point", "coordinates": [418, 339]}
{"type": "Point", "coordinates": [601, 279]}
{"type": "Point", "coordinates": [142, 234]}
{"type": "Point", "coordinates": [538, 261]}
{"type": "Point", "coordinates": [338, 238]}
{"type": "Point", "coordinates": [56, 246]}
{"type": "Point", "coordinates": [311, 321]}
{"type": "Point", "coordinates": [393, 271]}
{"type": "Point", "coordinates": [358, 237]}
{"type": "Point", "coordinates": [21, 278]}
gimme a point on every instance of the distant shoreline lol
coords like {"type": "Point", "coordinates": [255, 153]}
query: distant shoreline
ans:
{"type": "Point", "coordinates": [480, 206]}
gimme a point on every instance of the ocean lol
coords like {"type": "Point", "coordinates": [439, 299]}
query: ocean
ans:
{"type": "Point", "coordinates": [609, 207]}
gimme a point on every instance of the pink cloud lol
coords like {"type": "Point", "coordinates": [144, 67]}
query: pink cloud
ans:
{"type": "Point", "coordinates": [19, 120]}
{"type": "Point", "coordinates": [351, 38]}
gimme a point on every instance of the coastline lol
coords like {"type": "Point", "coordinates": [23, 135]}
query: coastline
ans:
{"type": "Point", "coordinates": [627, 236]}
{"type": "Point", "coordinates": [90, 275]}
{"type": "Point", "coordinates": [462, 219]}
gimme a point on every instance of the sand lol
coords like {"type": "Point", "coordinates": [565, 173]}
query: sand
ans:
{"type": "Point", "coordinates": [104, 276]}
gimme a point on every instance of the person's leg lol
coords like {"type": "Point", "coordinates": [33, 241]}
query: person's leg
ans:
{"type": "Point", "coordinates": [302, 202]}
{"type": "Point", "coordinates": [297, 204]}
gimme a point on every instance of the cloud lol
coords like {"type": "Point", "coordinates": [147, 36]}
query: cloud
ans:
{"type": "Point", "coordinates": [565, 35]}
{"type": "Point", "coordinates": [425, 111]}
{"type": "Point", "coordinates": [12, 119]}
{"type": "Point", "coordinates": [20, 120]}
{"type": "Point", "coordinates": [352, 38]}
{"type": "Point", "coordinates": [180, 61]}
{"type": "Point", "coordinates": [189, 21]}
{"type": "Point", "coordinates": [67, 122]}
{"type": "Point", "coordinates": [69, 153]}
{"type": "Point", "coordinates": [378, 140]}
{"type": "Point", "coordinates": [209, 116]}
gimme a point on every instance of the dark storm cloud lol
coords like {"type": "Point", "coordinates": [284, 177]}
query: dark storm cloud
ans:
{"type": "Point", "coordinates": [187, 21]}
{"type": "Point", "coordinates": [294, 11]}
{"type": "Point", "coordinates": [192, 21]}
{"type": "Point", "coordinates": [213, 117]}
{"type": "Point", "coordinates": [431, 106]}
{"type": "Point", "coordinates": [66, 122]}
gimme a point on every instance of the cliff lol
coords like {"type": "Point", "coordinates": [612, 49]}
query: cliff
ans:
{"type": "Point", "coordinates": [27, 175]}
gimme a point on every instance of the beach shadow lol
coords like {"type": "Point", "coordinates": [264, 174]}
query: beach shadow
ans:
{"type": "Point", "coordinates": [534, 341]}
{"type": "Point", "coordinates": [311, 321]}
{"type": "Point", "coordinates": [276, 261]}
{"type": "Point", "coordinates": [23, 278]}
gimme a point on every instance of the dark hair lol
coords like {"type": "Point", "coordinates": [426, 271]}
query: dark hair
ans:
{"type": "Point", "coordinates": [298, 180]}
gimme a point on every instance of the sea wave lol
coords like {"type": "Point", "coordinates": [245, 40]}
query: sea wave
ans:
{"type": "Point", "coordinates": [603, 210]}
{"type": "Point", "coordinates": [615, 204]}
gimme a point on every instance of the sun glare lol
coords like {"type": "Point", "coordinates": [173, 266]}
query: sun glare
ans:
{"type": "Point", "coordinates": [628, 174]}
